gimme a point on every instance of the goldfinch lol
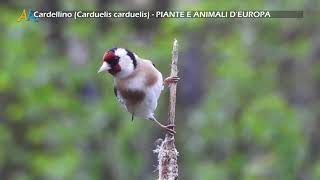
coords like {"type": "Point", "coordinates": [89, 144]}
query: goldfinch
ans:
{"type": "Point", "coordinates": [137, 83]}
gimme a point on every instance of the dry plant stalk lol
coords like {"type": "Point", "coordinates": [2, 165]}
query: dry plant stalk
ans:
{"type": "Point", "coordinates": [167, 152]}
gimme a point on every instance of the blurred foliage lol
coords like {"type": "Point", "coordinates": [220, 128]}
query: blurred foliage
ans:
{"type": "Point", "coordinates": [256, 117]}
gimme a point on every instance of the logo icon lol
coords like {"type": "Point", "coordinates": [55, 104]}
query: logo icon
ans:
{"type": "Point", "coordinates": [27, 16]}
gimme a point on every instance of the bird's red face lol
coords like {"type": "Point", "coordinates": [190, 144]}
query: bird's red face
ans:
{"type": "Point", "coordinates": [110, 63]}
{"type": "Point", "coordinates": [119, 62]}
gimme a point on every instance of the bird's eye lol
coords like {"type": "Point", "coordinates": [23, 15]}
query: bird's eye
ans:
{"type": "Point", "coordinates": [114, 61]}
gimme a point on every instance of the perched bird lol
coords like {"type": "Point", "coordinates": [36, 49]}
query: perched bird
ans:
{"type": "Point", "coordinates": [137, 83]}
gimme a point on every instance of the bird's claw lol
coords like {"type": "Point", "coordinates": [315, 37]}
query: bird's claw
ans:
{"type": "Point", "coordinates": [172, 79]}
{"type": "Point", "coordinates": [170, 128]}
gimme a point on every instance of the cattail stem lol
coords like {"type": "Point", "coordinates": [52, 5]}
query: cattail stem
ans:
{"type": "Point", "coordinates": [167, 152]}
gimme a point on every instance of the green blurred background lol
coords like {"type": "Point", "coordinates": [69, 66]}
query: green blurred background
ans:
{"type": "Point", "coordinates": [248, 102]}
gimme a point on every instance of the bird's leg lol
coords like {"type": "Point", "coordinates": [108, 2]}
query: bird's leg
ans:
{"type": "Point", "coordinates": [169, 128]}
{"type": "Point", "coordinates": [172, 79]}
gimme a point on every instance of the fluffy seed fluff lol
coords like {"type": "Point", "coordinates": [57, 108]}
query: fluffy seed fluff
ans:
{"type": "Point", "coordinates": [167, 159]}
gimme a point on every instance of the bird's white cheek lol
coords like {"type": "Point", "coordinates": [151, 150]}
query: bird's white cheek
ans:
{"type": "Point", "coordinates": [126, 67]}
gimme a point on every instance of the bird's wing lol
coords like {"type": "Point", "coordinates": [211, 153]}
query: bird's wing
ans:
{"type": "Point", "coordinates": [115, 90]}
{"type": "Point", "coordinates": [120, 100]}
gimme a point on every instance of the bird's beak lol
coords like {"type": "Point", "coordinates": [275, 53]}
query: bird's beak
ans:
{"type": "Point", "coordinates": [104, 67]}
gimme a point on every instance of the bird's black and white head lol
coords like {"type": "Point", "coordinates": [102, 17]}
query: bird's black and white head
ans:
{"type": "Point", "coordinates": [119, 62]}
